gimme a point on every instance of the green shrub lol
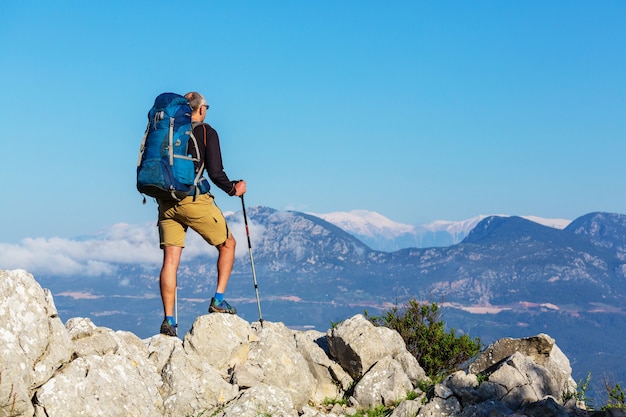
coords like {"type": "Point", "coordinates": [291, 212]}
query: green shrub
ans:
{"type": "Point", "coordinates": [420, 325]}
{"type": "Point", "coordinates": [617, 397]}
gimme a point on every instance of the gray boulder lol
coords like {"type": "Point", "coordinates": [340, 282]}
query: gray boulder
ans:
{"type": "Point", "coordinates": [377, 358]}
{"type": "Point", "coordinates": [34, 341]}
{"type": "Point", "coordinates": [385, 383]}
{"type": "Point", "coordinates": [281, 364]}
{"type": "Point", "coordinates": [261, 400]}
{"type": "Point", "coordinates": [109, 367]}
{"type": "Point", "coordinates": [356, 344]}
{"type": "Point", "coordinates": [519, 381]}
{"type": "Point", "coordinates": [109, 386]}
{"type": "Point", "coordinates": [330, 379]}
{"type": "Point", "coordinates": [464, 386]}
{"type": "Point", "coordinates": [408, 408]}
{"type": "Point", "coordinates": [541, 349]}
{"type": "Point", "coordinates": [190, 383]}
{"type": "Point", "coordinates": [88, 339]}
{"type": "Point", "coordinates": [440, 407]}
{"type": "Point", "coordinates": [547, 407]}
{"type": "Point", "coordinates": [537, 359]}
{"type": "Point", "coordinates": [223, 340]}
{"type": "Point", "coordinates": [486, 409]}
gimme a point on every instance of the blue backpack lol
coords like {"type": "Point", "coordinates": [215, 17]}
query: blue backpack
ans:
{"type": "Point", "coordinates": [167, 168]}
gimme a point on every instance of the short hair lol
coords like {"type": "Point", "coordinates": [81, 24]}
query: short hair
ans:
{"type": "Point", "coordinates": [195, 100]}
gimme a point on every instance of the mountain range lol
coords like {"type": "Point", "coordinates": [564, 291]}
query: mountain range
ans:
{"type": "Point", "coordinates": [508, 277]}
{"type": "Point", "coordinates": [382, 233]}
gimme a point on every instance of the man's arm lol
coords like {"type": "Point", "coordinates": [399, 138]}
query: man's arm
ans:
{"type": "Point", "coordinates": [213, 162]}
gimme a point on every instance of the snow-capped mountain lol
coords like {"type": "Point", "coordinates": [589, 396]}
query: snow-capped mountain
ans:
{"type": "Point", "coordinates": [382, 233]}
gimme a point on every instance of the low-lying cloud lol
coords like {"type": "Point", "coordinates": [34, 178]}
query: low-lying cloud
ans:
{"type": "Point", "coordinates": [103, 252]}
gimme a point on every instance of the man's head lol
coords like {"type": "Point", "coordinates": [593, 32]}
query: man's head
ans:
{"type": "Point", "coordinates": [198, 106]}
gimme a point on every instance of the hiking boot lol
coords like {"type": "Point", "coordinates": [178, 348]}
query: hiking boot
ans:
{"type": "Point", "coordinates": [167, 329]}
{"type": "Point", "coordinates": [222, 307]}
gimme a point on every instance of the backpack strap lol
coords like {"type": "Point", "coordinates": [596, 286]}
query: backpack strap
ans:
{"type": "Point", "coordinates": [141, 150]}
{"type": "Point", "coordinates": [201, 169]}
{"type": "Point", "coordinates": [143, 144]}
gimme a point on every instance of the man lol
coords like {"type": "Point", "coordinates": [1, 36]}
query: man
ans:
{"type": "Point", "coordinates": [200, 214]}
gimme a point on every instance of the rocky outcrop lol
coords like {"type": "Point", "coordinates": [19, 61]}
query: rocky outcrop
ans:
{"type": "Point", "coordinates": [227, 367]}
{"type": "Point", "coordinates": [34, 343]}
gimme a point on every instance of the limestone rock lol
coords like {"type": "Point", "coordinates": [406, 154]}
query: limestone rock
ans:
{"type": "Point", "coordinates": [411, 367]}
{"type": "Point", "coordinates": [464, 386]}
{"type": "Point", "coordinates": [261, 400]}
{"type": "Point", "coordinates": [540, 350]}
{"type": "Point", "coordinates": [524, 381]}
{"type": "Point", "coordinates": [281, 363]}
{"type": "Point", "coordinates": [107, 386]}
{"type": "Point", "coordinates": [439, 407]}
{"type": "Point", "coordinates": [537, 347]}
{"type": "Point", "coordinates": [190, 383]}
{"type": "Point", "coordinates": [545, 408]}
{"type": "Point", "coordinates": [408, 408]}
{"type": "Point", "coordinates": [385, 383]}
{"type": "Point", "coordinates": [486, 409]}
{"type": "Point", "coordinates": [223, 340]}
{"type": "Point", "coordinates": [87, 339]}
{"type": "Point", "coordinates": [328, 376]}
{"type": "Point", "coordinates": [357, 344]}
{"type": "Point", "coordinates": [34, 343]}
{"type": "Point", "coordinates": [160, 349]}
{"type": "Point", "coordinates": [104, 358]}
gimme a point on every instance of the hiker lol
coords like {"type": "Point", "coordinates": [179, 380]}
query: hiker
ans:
{"type": "Point", "coordinates": [200, 214]}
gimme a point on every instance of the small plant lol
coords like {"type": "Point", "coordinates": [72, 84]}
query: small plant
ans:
{"type": "Point", "coordinates": [425, 385]}
{"type": "Point", "coordinates": [412, 395]}
{"type": "Point", "coordinates": [379, 411]}
{"type": "Point", "coordinates": [333, 401]}
{"type": "Point", "coordinates": [581, 393]}
{"type": "Point", "coordinates": [334, 324]}
{"type": "Point", "coordinates": [482, 377]}
{"type": "Point", "coordinates": [617, 397]}
{"type": "Point", "coordinates": [423, 331]}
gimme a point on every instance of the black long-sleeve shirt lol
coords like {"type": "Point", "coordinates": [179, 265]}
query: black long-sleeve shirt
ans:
{"type": "Point", "coordinates": [209, 147]}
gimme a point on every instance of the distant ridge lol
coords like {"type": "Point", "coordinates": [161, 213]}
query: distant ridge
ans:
{"type": "Point", "coordinates": [382, 233]}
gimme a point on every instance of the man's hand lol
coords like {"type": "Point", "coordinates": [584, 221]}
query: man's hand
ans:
{"type": "Point", "coordinates": [240, 188]}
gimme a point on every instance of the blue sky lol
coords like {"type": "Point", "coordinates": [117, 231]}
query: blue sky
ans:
{"type": "Point", "coordinates": [418, 110]}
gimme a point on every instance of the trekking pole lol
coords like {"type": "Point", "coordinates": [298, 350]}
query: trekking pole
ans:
{"type": "Point", "coordinates": [176, 310]}
{"type": "Point", "coordinates": [256, 287]}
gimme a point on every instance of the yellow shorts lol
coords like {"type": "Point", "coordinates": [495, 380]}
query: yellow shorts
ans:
{"type": "Point", "coordinates": [202, 215]}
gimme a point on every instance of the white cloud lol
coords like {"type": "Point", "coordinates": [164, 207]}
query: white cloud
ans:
{"type": "Point", "coordinates": [92, 256]}
{"type": "Point", "coordinates": [100, 254]}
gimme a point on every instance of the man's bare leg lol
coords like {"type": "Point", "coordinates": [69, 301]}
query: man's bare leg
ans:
{"type": "Point", "coordinates": [171, 260]}
{"type": "Point", "coordinates": [225, 261]}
